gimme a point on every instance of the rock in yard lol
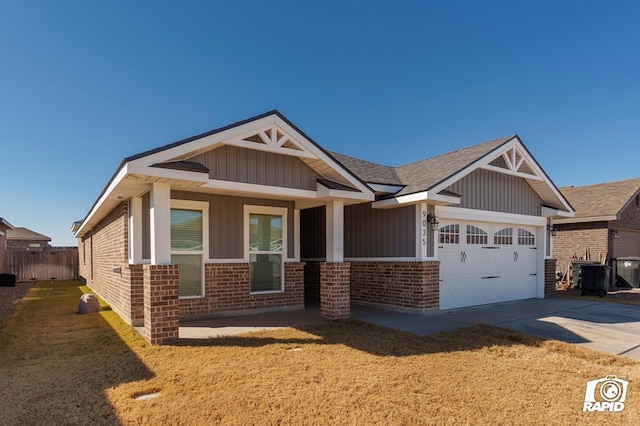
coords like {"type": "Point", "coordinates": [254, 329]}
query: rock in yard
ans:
{"type": "Point", "coordinates": [88, 304]}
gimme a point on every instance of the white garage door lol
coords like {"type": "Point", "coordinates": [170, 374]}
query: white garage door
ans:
{"type": "Point", "coordinates": [486, 263]}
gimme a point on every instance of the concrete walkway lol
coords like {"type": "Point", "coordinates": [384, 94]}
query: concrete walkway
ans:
{"type": "Point", "coordinates": [608, 327]}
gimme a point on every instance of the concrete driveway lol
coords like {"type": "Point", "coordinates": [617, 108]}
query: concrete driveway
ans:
{"type": "Point", "coordinates": [607, 327]}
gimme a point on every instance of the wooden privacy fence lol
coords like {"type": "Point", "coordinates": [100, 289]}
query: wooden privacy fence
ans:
{"type": "Point", "coordinates": [60, 263]}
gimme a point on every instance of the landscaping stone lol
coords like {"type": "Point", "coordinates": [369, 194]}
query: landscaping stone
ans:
{"type": "Point", "coordinates": [88, 304]}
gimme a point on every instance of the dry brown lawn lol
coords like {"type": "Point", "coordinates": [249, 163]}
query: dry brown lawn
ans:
{"type": "Point", "coordinates": [57, 367]}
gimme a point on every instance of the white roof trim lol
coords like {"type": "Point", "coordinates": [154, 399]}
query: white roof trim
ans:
{"type": "Point", "coordinates": [607, 218]}
{"type": "Point", "coordinates": [512, 146]}
{"type": "Point", "coordinates": [415, 198]}
{"type": "Point", "coordinates": [386, 189]}
{"type": "Point", "coordinates": [551, 212]}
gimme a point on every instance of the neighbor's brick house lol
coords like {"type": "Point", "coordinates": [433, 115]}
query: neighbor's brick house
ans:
{"type": "Point", "coordinates": [24, 238]}
{"type": "Point", "coordinates": [606, 223]}
{"type": "Point", "coordinates": [256, 216]}
{"type": "Point", "coordinates": [4, 227]}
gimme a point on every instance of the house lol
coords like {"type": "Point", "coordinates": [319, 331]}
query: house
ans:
{"type": "Point", "coordinates": [254, 216]}
{"type": "Point", "coordinates": [24, 238]}
{"type": "Point", "coordinates": [4, 227]}
{"type": "Point", "coordinates": [606, 224]}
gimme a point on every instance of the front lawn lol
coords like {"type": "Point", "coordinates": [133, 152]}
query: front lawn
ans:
{"type": "Point", "coordinates": [57, 367]}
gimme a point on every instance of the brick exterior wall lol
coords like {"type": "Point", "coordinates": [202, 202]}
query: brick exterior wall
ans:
{"type": "Point", "coordinates": [161, 307]}
{"type": "Point", "coordinates": [134, 274]}
{"type": "Point", "coordinates": [335, 299]}
{"type": "Point", "coordinates": [629, 218]}
{"type": "Point", "coordinates": [228, 292]}
{"type": "Point", "coordinates": [312, 279]}
{"type": "Point", "coordinates": [405, 285]}
{"type": "Point", "coordinates": [102, 252]}
{"type": "Point", "coordinates": [576, 238]}
{"type": "Point", "coordinates": [549, 276]}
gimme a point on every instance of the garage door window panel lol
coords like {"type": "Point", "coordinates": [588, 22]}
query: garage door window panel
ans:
{"type": "Point", "coordinates": [526, 238]}
{"type": "Point", "coordinates": [503, 237]}
{"type": "Point", "coordinates": [450, 234]}
{"type": "Point", "coordinates": [476, 235]}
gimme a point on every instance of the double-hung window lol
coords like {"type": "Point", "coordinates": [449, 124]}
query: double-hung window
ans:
{"type": "Point", "coordinates": [265, 240]}
{"type": "Point", "coordinates": [188, 245]}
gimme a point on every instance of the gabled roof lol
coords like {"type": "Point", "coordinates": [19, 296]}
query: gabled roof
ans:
{"type": "Point", "coordinates": [428, 179]}
{"type": "Point", "coordinates": [425, 174]}
{"type": "Point", "coordinates": [602, 201]}
{"type": "Point", "coordinates": [270, 133]}
{"type": "Point", "coordinates": [25, 234]}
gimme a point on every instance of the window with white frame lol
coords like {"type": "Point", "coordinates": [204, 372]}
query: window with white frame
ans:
{"type": "Point", "coordinates": [188, 247]}
{"type": "Point", "coordinates": [266, 247]}
{"type": "Point", "coordinates": [450, 234]}
{"type": "Point", "coordinates": [526, 238]}
{"type": "Point", "coordinates": [476, 235]}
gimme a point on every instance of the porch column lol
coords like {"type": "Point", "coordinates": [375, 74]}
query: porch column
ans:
{"type": "Point", "coordinates": [135, 231]}
{"type": "Point", "coordinates": [335, 299]}
{"type": "Point", "coordinates": [160, 224]}
{"type": "Point", "coordinates": [161, 305]}
{"type": "Point", "coordinates": [335, 231]}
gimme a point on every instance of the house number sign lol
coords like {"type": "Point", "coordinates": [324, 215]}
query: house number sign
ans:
{"type": "Point", "coordinates": [424, 222]}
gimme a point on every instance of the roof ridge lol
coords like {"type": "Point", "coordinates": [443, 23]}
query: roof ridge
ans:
{"type": "Point", "coordinates": [506, 138]}
{"type": "Point", "coordinates": [599, 184]}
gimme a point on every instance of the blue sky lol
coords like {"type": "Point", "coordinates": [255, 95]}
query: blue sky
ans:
{"type": "Point", "coordinates": [84, 84]}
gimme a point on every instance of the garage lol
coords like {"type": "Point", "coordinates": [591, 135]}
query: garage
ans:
{"type": "Point", "coordinates": [483, 262]}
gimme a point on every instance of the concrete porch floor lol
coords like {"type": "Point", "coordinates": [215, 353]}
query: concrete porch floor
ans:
{"type": "Point", "coordinates": [607, 327]}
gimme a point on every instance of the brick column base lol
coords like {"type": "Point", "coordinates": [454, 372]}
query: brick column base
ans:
{"type": "Point", "coordinates": [549, 276]}
{"type": "Point", "coordinates": [161, 307]}
{"type": "Point", "coordinates": [335, 299]}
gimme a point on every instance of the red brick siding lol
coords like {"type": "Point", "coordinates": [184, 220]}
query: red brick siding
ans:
{"type": "Point", "coordinates": [228, 291]}
{"type": "Point", "coordinates": [335, 299]}
{"type": "Point", "coordinates": [630, 217]}
{"type": "Point", "coordinates": [576, 238]}
{"type": "Point", "coordinates": [161, 308]}
{"type": "Point", "coordinates": [410, 285]}
{"type": "Point", "coordinates": [103, 250]}
{"type": "Point", "coordinates": [549, 276]}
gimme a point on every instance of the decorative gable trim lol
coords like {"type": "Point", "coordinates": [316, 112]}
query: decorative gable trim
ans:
{"type": "Point", "coordinates": [514, 162]}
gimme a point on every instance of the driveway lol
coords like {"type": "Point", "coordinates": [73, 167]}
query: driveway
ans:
{"type": "Point", "coordinates": [607, 327]}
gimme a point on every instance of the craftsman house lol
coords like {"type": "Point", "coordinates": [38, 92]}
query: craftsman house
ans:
{"type": "Point", "coordinates": [606, 225]}
{"type": "Point", "coordinates": [255, 216]}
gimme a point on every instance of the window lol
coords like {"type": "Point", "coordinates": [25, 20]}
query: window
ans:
{"type": "Point", "coordinates": [187, 250]}
{"type": "Point", "coordinates": [266, 247]}
{"type": "Point", "coordinates": [450, 234]}
{"type": "Point", "coordinates": [503, 237]}
{"type": "Point", "coordinates": [526, 238]}
{"type": "Point", "coordinates": [476, 235]}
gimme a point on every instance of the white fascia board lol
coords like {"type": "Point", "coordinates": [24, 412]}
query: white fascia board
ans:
{"type": "Point", "coordinates": [551, 212]}
{"type": "Point", "coordinates": [320, 154]}
{"type": "Point", "coordinates": [458, 213]}
{"type": "Point", "coordinates": [415, 198]}
{"type": "Point", "coordinates": [386, 189]}
{"type": "Point", "coordinates": [205, 142]}
{"type": "Point", "coordinates": [586, 219]}
{"type": "Point", "coordinates": [114, 184]}
{"type": "Point", "coordinates": [254, 189]}
{"type": "Point", "coordinates": [167, 173]}
{"type": "Point", "coordinates": [324, 192]}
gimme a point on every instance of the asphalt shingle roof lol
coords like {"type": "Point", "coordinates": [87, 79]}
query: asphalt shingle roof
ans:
{"type": "Point", "coordinates": [421, 175]}
{"type": "Point", "coordinates": [603, 199]}
{"type": "Point", "coordinates": [19, 233]}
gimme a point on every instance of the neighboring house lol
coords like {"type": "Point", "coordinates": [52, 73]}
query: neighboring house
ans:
{"type": "Point", "coordinates": [253, 216]}
{"type": "Point", "coordinates": [24, 238]}
{"type": "Point", "coordinates": [606, 223]}
{"type": "Point", "coordinates": [4, 227]}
